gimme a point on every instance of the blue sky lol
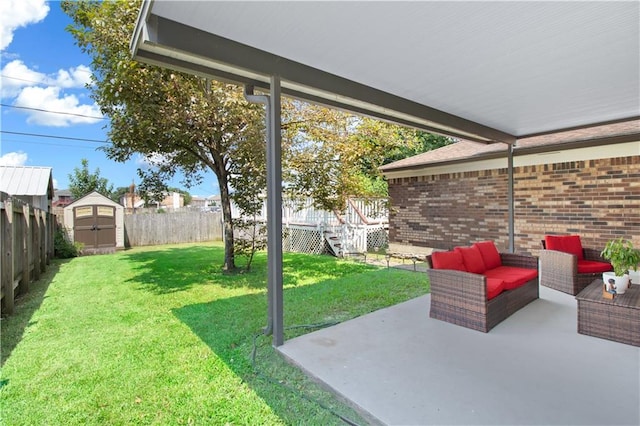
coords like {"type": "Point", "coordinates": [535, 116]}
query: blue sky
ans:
{"type": "Point", "coordinates": [43, 70]}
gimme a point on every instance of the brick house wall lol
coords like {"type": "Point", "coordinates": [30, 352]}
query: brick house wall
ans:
{"type": "Point", "coordinates": [597, 199]}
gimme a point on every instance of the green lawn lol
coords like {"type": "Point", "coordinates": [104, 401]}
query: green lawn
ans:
{"type": "Point", "coordinates": [159, 335]}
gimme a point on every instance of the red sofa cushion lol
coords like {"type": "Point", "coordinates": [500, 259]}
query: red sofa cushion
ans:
{"type": "Point", "coordinates": [495, 286]}
{"type": "Point", "coordinates": [593, 266]}
{"type": "Point", "coordinates": [565, 243]}
{"type": "Point", "coordinates": [472, 259]}
{"type": "Point", "coordinates": [447, 260]}
{"type": "Point", "coordinates": [513, 277]}
{"type": "Point", "coordinates": [490, 254]}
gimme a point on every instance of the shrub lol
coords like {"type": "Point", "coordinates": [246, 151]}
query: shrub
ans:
{"type": "Point", "coordinates": [63, 248]}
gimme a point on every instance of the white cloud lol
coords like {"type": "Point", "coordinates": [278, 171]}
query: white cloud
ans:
{"type": "Point", "coordinates": [13, 159]}
{"type": "Point", "coordinates": [19, 13]}
{"type": "Point", "coordinates": [16, 75]}
{"type": "Point", "coordinates": [67, 108]}
{"type": "Point", "coordinates": [77, 77]}
{"type": "Point", "coordinates": [55, 183]}
{"type": "Point", "coordinates": [32, 89]}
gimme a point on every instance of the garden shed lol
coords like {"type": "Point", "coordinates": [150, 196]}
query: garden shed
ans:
{"type": "Point", "coordinates": [97, 222]}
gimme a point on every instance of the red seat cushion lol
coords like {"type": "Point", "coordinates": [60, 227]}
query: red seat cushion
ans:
{"type": "Point", "coordinates": [495, 286]}
{"type": "Point", "coordinates": [490, 254]}
{"type": "Point", "coordinates": [513, 277]}
{"type": "Point", "coordinates": [472, 259]}
{"type": "Point", "coordinates": [565, 243]}
{"type": "Point", "coordinates": [448, 260]}
{"type": "Point", "coordinates": [592, 267]}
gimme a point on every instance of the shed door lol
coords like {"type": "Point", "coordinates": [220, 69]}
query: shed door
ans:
{"type": "Point", "coordinates": [95, 226]}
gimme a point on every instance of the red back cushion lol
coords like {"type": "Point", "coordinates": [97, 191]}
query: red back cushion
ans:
{"type": "Point", "coordinates": [490, 254]}
{"type": "Point", "coordinates": [447, 260]}
{"type": "Point", "coordinates": [472, 259]}
{"type": "Point", "coordinates": [565, 243]}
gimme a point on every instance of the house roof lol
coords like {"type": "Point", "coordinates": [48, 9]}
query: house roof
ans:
{"type": "Point", "coordinates": [483, 71]}
{"type": "Point", "coordinates": [463, 150]}
{"type": "Point", "coordinates": [25, 180]}
{"type": "Point", "coordinates": [63, 193]}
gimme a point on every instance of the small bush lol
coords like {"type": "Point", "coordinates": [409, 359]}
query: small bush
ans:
{"type": "Point", "coordinates": [63, 248]}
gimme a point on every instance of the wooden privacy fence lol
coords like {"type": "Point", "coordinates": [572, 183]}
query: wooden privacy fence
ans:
{"type": "Point", "coordinates": [172, 228]}
{"type": "Point", "coordinates": [27, 247]}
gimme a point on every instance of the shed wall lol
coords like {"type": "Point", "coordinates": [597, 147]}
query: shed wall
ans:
{"type": "Point", "coordinates": [597, 199]}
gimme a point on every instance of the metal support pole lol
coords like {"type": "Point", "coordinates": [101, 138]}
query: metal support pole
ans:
{"type": "Point", "coordinates": [274, 212]}
{"type": "Point", "coordinates": [510, 197]}
{"type": "Point", "coordinates": [275, 323]}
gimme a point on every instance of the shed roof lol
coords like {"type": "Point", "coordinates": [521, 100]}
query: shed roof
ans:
{"type": "Point", "coordinates": [26, 180]}
{"type": "Point", "coordinates": [625, 131]}
{"type": "Point", "coordinates": [93, 197]}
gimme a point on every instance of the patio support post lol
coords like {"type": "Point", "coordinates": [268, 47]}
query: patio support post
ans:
{"type": "Point", "coordinates": [274, 212]}
{"type": "Point", "coordinates": [274, 208]}
{"type": "Point", "coordinates": [510, 199]}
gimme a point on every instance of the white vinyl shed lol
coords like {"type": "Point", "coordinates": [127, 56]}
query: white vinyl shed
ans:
{"type": "Point", "coordinates": [97, 222]}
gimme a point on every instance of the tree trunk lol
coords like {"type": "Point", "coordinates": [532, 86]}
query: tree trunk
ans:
{"type": "Point", "coordinates": [225, 200]}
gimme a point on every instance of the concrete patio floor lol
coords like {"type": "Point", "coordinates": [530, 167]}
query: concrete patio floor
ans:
{"type": "Point", "coordinates": [401, 367]}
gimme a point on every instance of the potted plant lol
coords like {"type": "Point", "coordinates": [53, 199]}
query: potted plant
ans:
{"type": "Point", "coordinates": [623, 257]}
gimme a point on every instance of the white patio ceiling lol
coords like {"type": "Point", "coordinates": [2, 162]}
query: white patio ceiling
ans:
{"type": "Point", "coordinates": [486, 71]}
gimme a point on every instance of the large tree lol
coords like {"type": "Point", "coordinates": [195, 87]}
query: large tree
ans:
{"type": "Point", "coordinates": [187, 124]}
{"type": "Point", "coordinates": [183, 123]}
{"type": "Point", "coordinates": [83, 182]}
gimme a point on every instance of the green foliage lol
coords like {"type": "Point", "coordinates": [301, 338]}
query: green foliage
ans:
{"type": "Point", "coordinates": [332, 155]}
{"type": "Point", "coordinates": [622, 255]}
{"type": "Point", "coordinates": [62, 247]}
{"type": "Point", "coordinates": [251, 237]}
{"type": "Point", "coordinates": [83, 182]}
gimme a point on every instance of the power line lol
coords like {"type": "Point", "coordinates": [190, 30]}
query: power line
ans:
{"type": "Point", "coordinates": [48, 144]}
{"type": "Point", "coordinates": [53, 136]}
{"type": "Point", "coordinates": [53, 112]}
{"type": "Point", "coordinates": [21, 79]}
{"type": "Point", "coordinates": [44, 83]}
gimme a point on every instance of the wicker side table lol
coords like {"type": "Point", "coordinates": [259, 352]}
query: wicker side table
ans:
{"type": "Point", "coordinates": [615, 319]}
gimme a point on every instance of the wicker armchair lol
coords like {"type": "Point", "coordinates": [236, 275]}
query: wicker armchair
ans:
{"type": "Point", "coordinates": [565, 272]}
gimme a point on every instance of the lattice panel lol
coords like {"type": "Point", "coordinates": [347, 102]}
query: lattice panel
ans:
{"type": "Point", "coordinates": [303, 240]}
{"type": "Point", "coordinates": [377, 237]}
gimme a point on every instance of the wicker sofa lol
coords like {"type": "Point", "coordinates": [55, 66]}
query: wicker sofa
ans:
{"type": "Point", "coordinates": [567, 266]}
{"type": "Point", "coordinates": [479, 294]}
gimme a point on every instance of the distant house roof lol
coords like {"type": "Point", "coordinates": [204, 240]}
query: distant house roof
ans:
{"type": "Point", "coordinates": [62, 193]}
{"type": "Point", "coordinates": [463, 150]}
{"type": "Point", "coordinates": [25, 180]}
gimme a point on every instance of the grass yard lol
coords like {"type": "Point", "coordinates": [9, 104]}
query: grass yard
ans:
{"type": "Point", "coordinates": [159, 335]}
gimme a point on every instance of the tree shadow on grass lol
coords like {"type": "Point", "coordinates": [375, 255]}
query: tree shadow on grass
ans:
{"type": "Point", "coordinates": [230, 327]}
{"type": "Point", "coordinates": [15, 325]}
{"type": "Point", "coordinates": [181, 268]}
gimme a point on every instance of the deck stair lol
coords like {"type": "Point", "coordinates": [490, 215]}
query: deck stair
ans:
{"type": "Point", "coordinates": [340, 242]}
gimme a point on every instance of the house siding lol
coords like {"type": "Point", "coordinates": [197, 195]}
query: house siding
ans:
{"type": "Point", "coordinates": [597, 199]}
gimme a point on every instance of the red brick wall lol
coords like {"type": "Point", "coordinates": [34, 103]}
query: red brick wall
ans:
{"type": "Point", "coordinates": [597, 199]}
